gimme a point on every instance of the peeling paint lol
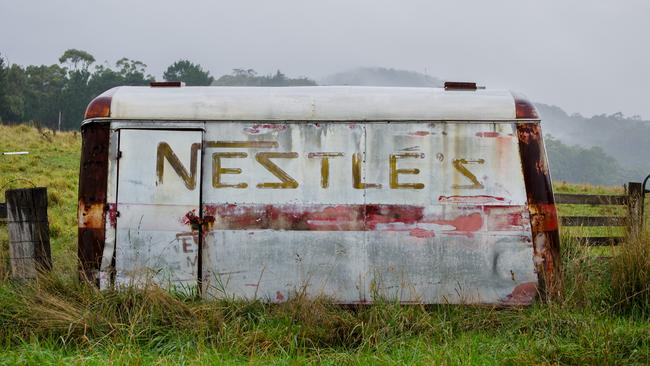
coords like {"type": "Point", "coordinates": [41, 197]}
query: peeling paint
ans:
{"type": "Point", "coordinates": [112, 214]}
{"type": "Point", "coordinates": [474, 200]}
{"type": "Point", "coordinates": [523, 294]}
{"type": "Point", "coordinates": [261, 129]}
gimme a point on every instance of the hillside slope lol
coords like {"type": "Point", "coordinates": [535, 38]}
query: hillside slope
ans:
{"type": "Point", "coordinates": [52, 162]}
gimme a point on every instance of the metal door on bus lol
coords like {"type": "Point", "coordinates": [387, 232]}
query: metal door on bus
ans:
{"type": "Point", "coordinates": [158, 192]}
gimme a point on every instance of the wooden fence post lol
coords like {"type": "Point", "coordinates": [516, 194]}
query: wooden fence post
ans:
{"type": "Point", "coordinates": [29, 232]}
{"type": "Point", "coordinates": [635, 207]}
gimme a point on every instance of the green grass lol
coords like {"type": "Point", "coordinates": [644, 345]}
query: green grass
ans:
{"type": "Point", "coordinates": [602, 317]}
{"type": "Point", "coordinates": [52, 162]}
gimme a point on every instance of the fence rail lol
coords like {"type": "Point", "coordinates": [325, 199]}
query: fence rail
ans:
{"type": "Point", "coordinates": [593, 220]}
{"type": "Point", "coordinates": [590, 199]}
{"type": "Point", "coordinates": [632, 200]}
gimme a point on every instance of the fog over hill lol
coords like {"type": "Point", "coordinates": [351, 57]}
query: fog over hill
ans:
{"type": "Point", "coordinates": [627, 139]}
{"type": "Point", "coordinates": [380, 76]}
{"type": "Point", "coordinates": [603, 149]}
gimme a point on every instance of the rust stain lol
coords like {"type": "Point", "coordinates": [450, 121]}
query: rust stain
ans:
{"type": "Point", "coordinates": [523, 294]}
{"type": "Point", "coordinates": [93, 181]}
{"type": "Point", "coordinates": [541, 206]}
{"type": "Point", "coordinates": [112, 214]}
{"type": "Point", "coordinates": [420, 133]}
{"type": "Point", "coordinates": [197, 222]}
{"type": "Point", "coordinates": [100, 106]}
{"type": "Point", "coordinates": [91, 215]}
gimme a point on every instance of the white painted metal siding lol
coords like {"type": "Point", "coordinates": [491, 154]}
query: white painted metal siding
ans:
{"type": "Point", "coordinates": [446, 221]}
{"type": "Point", "coordinates": [450, 241]}
{"type": "Point", "coordinates": [152, 241]}
{"type": "Point", "coordinates": [334, 103]}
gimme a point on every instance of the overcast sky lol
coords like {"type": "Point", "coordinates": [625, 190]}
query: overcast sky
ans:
{"type": "Point", "coordinates": [585, 56]}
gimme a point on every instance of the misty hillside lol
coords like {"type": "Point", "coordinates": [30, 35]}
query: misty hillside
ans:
{"type": "Point", "coordinates": [627, 139]}
{"type": "Point", "coordinates": [379, 76]}
{"type": "Point", "coordinates": [603, 149]}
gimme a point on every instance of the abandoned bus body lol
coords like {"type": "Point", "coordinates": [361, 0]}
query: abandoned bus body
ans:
{"type": "Point", "coordinates": [418, 195]}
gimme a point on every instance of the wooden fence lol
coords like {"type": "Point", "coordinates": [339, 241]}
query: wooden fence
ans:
{"type": "Point", "coordinates": [25, 214]}
{"type": "Point", "coordinates": [632, 221]}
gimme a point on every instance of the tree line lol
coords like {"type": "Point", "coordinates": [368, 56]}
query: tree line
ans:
{"type": "Point", "coordinates": [49, 94]}
{"type": "Point", "coordinates": [597, 150]}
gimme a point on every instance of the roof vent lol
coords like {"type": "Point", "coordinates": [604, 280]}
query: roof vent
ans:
{"type": "Point", "coordinates": [459, 85]}
{"type": "Point", "coordinates": [166, 84]}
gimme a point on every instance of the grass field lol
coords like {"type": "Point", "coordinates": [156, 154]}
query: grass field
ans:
{"type": "Point", "coordinates": [602, 317]}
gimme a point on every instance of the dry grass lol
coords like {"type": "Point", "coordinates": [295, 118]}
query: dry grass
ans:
{"type": "Point", "coordinates": [631, 275]}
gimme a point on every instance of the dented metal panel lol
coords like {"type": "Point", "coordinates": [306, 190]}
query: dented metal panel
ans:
{"type": "Point", "coordinates": [418, 212]}
{"type": "Point", "coordinates": [414, 212]}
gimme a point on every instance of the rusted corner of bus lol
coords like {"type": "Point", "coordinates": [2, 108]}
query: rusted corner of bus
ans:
{"type": "Point", "coordinates": [91, 211]}
{"type": "Point", "coordinates": [541, 206]}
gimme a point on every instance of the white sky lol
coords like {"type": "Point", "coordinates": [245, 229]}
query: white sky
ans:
{"type": "Point", "coordinates": [585, 56]}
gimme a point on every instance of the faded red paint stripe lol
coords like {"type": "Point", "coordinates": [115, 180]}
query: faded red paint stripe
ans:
{"type": "Point", "coordinates": [370, 217]}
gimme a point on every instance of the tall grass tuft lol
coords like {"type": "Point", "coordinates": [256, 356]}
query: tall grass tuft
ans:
{"type": "Point", "coordinates": [585, 276]}
{"type": "Point", "coordinates": [631, 276]}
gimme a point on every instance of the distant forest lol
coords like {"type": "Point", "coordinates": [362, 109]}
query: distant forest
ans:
{"type": "Point", "coordinates": [46, 93]}
{"type": "Point", "coordinates": [603, 149]}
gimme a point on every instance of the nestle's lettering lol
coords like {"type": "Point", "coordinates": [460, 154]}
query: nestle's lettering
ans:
{"type": "Point", "coordinates": [271, 161]}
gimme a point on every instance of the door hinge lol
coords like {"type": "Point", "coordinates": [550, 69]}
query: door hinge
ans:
{"type": "Point", "coordinates": [119, 155]}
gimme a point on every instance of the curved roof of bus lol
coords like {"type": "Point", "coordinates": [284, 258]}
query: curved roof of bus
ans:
{"type": "Point", "coordinates": [319, 103]}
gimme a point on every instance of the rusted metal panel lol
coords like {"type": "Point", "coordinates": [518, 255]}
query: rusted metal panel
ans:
{"type": "Point", "coordinates": [158, 191]}
{"type": "Point", "coordinates": [92, 198]}
{"type": "Point", "coordinates": [418, 212]}
{"type": "Point", "coordinates": [414, 212]}
{"type": "Point", "coordinates": [541, 205]}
